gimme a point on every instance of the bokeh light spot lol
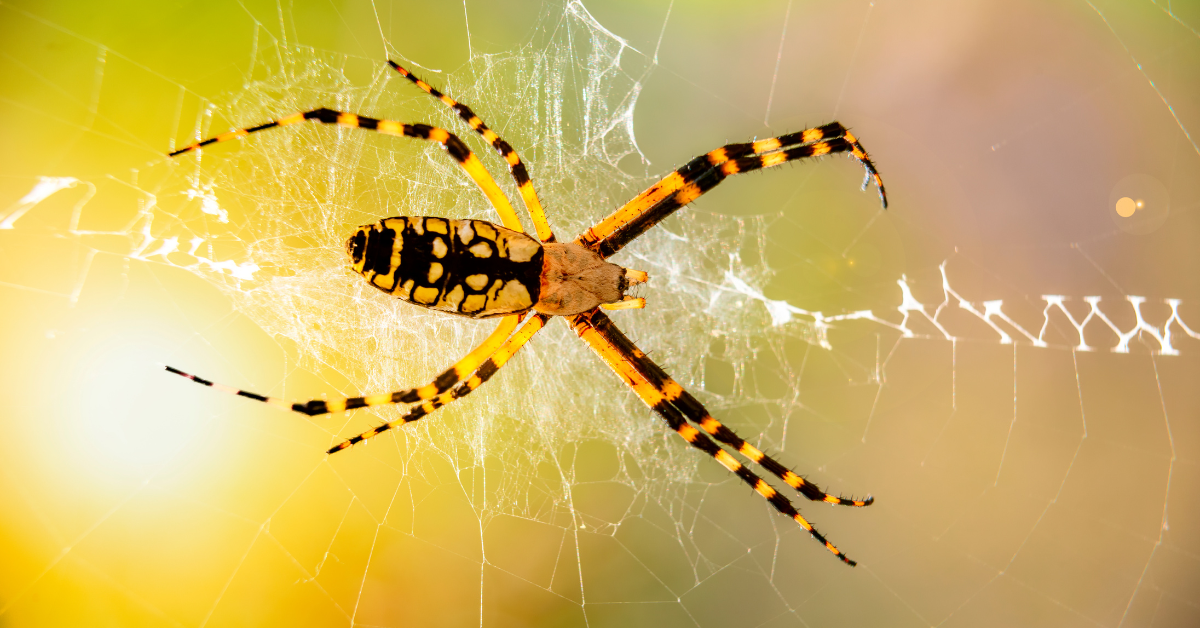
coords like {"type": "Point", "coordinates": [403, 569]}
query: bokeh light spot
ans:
{"type": "Point", "coordinates": [1141, 203]}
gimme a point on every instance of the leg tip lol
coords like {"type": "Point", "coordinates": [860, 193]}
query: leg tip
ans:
{"type": "Point", "coordinates": [629, 303]}
{"type": "Point", "coordinates": [634, 277]}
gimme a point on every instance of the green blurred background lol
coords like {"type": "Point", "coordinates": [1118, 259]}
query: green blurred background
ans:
{"type": "Point", "coordinates": [1016, 485]}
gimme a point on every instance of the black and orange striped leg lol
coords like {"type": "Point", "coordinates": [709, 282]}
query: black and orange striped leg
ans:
{"type": "Point", "coordinates": [442, 383]}
{"type": "Point", "coordinates": [453, 145]}
{"type": "Point", "coordinates": [625, 366]}
{"type": "Point", "coordinates": [483, 374]}
{"type": "Point", "coordinates": [704, 172]}
{"type": "Point", "coordinates": [516, 167]}
{"type": "Point", "coordinates": [698, 414]}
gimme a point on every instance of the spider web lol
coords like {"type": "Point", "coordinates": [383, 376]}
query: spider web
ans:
{"type": "Point", "coordinates": [1002, 360]}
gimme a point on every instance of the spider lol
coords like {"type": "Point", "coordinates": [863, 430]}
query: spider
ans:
{"type": "Point", "coordinates": [480, 269]}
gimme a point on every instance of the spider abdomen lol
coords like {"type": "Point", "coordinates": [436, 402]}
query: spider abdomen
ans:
{"type": "Point", "coordinates": [469, 267]}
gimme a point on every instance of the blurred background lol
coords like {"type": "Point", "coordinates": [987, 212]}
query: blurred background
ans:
{"type": "Point", "coordinates": [1025, 475]}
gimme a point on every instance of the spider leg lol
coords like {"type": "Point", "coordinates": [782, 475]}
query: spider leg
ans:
{"type": "Point", "coordinates": [442, 383]}
{"type": "Point", "coordinates": [704, 172]}
{"type": "Point", "coordinates": [453, 145]}
{"type": "Point", "coordinates": [483, 374]}
{"type": "Point", "coordinates": [515, 166]}
{"type": "Point", "coordinates": [626, 366]}
{"type": "Point", "coordinates": [698, 414]}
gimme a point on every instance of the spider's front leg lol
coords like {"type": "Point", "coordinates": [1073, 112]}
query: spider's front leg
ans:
{"type": "Point", "coordinates": [705, 172]}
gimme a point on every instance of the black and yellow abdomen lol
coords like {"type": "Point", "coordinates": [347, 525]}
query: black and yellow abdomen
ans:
{"type": "Point", "coordinates": [468, 267]}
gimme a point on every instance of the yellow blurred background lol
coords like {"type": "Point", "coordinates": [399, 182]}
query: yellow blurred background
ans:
{"type": "Point", "coordinates": [1016, 485]}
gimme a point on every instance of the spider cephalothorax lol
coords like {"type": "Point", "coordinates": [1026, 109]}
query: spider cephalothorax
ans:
{"type": "Point", "coordinates": [478, 269]}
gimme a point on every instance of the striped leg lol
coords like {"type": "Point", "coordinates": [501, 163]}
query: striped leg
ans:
{"type": "Point", "coordinates": [625, 366]}
{"type": "Point", "coordinates": [442, 383]}
{"type": "Point", "coordinates": [485, 372]}
{"type": "Point", "coordinates": [453, 145]}
{"type": "Point", "coordinates": [696, 412]}
{"type": "Point", "coordinates": [515, 166]}
{"type": "Point", "coordinates": [704, 172]}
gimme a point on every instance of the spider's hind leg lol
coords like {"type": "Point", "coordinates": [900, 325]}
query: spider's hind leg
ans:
{"type": "Point", "coordinates": [664, 396]}
{"type": "Point", "coordinates": [698, 414]}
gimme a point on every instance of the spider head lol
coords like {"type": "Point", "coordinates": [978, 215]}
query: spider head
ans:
{"type": "Point", "coordinates": [576, 279]}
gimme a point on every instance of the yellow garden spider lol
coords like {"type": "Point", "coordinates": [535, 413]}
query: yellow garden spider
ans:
{"type": "Point", "coordinates": [479, 269]}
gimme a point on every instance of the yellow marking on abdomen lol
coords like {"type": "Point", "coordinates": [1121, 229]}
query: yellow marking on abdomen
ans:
{"type": "Point", "coordinates": [465, 232]}
{"type": "Point", "coordinates": [477, 282]}
{"type": "Point", "coordinates": [405, 290]}
{"type": "Point", "coordinates": [385, 282]}
{"type": "Point", "coordinates": [473, 303]}
{"type": "Point", "coordinates": [485, 230]}
{"type": "Point", "coordinates": [513, 297]}
{"type": "Point", "coordinates": [454, 297]}
{"type": "Point", "coordinates": [425, 295]}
